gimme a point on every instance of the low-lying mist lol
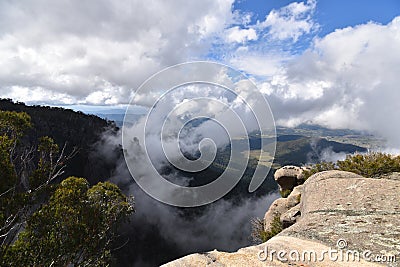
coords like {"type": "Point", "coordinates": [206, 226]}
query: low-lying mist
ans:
{"type": "Point", "coordinates": [158, 233]}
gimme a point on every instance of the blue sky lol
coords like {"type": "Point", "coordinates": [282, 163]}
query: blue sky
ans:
{"type": "Point", "coordinates": [330, 62]}
{"type": "Point", "coordinates": [341, 13]}
{"type": "Point", "coordinates": [330, 14]}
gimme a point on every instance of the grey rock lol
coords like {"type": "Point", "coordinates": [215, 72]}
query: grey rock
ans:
{"type": "Point", "coordinates": [342, 205]}
{"type": "Point", "coordinates": [288, 177]}
{"type": "Point", "coordinates": [290, 217]}
{"type": "Point", "coordinates": [391, 176]}
{"type": "Point", "coordinates": [282, 205]}
{"type": "Point", "coordinates": [265, 255]}
{"type": "Point", "coordinates": [295, 196]}
{"type": "Point", "coordinates": [362, 213]}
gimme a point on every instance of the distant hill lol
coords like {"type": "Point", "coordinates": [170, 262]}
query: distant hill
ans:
{"type": "Point", "coordinates": [120, 118]}
{"type": "Point", "coordinates": [117, 118]}
{"type": "Point", "coordinates": [304, 150]}
{"type": "Point", "coordinates": [294, 146]}
{"type": "Point", "coordinates": [76, 128]}
{"type": "Point", "coordinates": [316, 130]}
{"type": "Point", "coordinates": [358, 138]}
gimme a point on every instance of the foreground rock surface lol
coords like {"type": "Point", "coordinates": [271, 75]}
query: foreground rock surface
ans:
{"type": "Point", "coordinates": [363, 213]}
{"type": "Point", "coordinates": [250, 256]}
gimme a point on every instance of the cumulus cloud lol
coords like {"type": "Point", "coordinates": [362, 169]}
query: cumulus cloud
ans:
{"type": "Point", "coordinates": [347, 79]}
{"type": "Point", "coordinates": [98, 52]}
{"type": "Point", "coordinates": [235, 34]}
{"type": "Point", "coordinates": [290, 22]}
{"type": "Point", "coordinates": [275, 38]}
{"type": "Point", "coordinates": [264, 65]}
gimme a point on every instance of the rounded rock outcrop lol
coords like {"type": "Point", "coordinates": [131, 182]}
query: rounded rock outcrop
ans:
{"type": "Point", "coordinates": [288, 177]}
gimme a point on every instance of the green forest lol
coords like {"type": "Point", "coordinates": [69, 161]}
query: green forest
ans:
{"type": "Point", "coordinates": [48, 217]}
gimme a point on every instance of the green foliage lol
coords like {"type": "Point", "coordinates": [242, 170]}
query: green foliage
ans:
{"type": "Point", "coordinates": [7, 172]}
{"type": "Point", "coordinates": [48, 151]}
{"type": "Point", "coordinates": [258, 233]}
{"type": "Point", "coordinates": [275, 228]}
{"type": "Point", "coordinates": [285, 193]}
{"type": "Point", "coordinates": [14, 124]}
{"type": "Point", "coordinates": [24, 184]}
{"type": "Point", "coordinates": [319, 167]}
{"type": "Point", "coordinates": [75, 129]}
{"type": "Point", "coordinates": [298, 198]}
{"type": "Point", "coordinates": [372, 164]}
{"type": "Point", "coordinates": [42, 224]}
{"type": "Point", "coordinates": [76, 227]}
{"type": "Point", "coordinates": [12, 127]}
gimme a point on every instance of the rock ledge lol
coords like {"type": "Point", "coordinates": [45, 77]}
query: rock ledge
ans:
{"type": "Point", "coordinates": [340, 211]}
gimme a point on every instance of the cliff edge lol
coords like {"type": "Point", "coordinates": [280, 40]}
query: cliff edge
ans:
{"type": "Point", "coordinates": [336, 218]}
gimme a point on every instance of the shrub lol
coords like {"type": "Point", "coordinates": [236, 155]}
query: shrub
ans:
{"type": "Point", "coordinates": [285, 193]}
{"type": "Point", "coordinates": [319, 167]}
{"type": "Point", "coordinates": [372, 164]}
{"type": "Point", "coordinates": [258, 233]}
{"type": "Point", "coordinates": [75, 228]}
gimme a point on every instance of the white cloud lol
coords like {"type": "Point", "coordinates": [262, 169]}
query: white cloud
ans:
{"type": "Point", "coordinates": [347, 79]}
{"type": "Point", "coordinates": [256, 64]}
{"type": "Point", "coordinates": [98, 52]}
{"type": "Point", "coordinates": [291, 21]}
{"type": "Point", "coordinates": [235, 34]}
{"type": "Point", "coordinates": [275, 37]}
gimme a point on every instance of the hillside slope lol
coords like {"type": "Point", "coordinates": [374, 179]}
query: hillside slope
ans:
{"type": "Point", "coordinates": [74, 128]}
